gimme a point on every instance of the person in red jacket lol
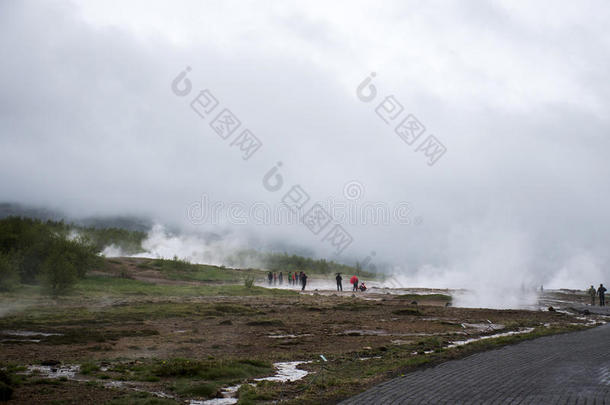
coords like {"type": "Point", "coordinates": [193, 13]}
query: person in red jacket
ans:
{"type": "Point", "coordinates": [354, 282]}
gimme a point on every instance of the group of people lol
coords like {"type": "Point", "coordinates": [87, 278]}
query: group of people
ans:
{"type": "Point", "coordinates": [353, 281]}
{"type": "Point", "coordinates": [600, 292]}
{"type": "Point", "coordinates": [300, 279]}
{"type": "Point", "coordinates": [294, 278]}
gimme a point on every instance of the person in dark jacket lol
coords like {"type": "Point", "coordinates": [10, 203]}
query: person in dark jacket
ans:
{"type": "Point", "coordinates": [303, 278]}
{"type": "Point", "coordinates": [339, 284]}
{"type": "Point", "coordinates": [281, 278]}
{"type": "Point", "coordinates": [270, 277]}
{"type": "Point", "coordinates": [601, 291]}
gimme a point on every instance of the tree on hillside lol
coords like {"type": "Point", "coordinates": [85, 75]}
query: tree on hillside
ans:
{"type": "Point", "coordinates": [59, 274]}
{"type": "Point", "coordinates": [9, 271]}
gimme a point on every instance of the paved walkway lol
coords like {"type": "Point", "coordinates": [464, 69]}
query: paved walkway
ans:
{"type": "Point", "coordinates": [572, 368]}
{"type": "Point", "coordinates": [594, 309]}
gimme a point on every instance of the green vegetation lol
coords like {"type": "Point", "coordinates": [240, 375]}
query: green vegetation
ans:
{"type": "Point", "coordinates": [248, 282]}
{"type": "Point", "coordinates": [8, 381]}
{"type": "Point", "coordinates": [130, 242]}
{"type": "Point", "coordinates": [212, 370]}
{"type": "Point", "coordinates": [9, 272]}
{"type": "Point", "coordinates": [206, 377]}
{"type": "Point", "coordinates": [178, 269]}
{"type": "Point", "coordinates": [43, 252]}
{"type": "Point", "coordinates": [249, 395]}
{"type": "Point", "coordinates": [89, 367]}
{"type": "Point", "coordinates": [189, 377]}
{"type": "Point", "coordinates": [406, 311]}
{"type": "Point", "coordinates": [104, 285]}
{"type": "Point", "coordinates": [54, 253]}
{"type": "Point", "coordinates": [186, 387]}
{"type": "Point", "coordinates": [83, 320]}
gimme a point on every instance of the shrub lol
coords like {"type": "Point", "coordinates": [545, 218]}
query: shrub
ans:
{"type": "Point", "coordinates": [177, 367]}
{"type": "Point", "coordinates": [35, 246]}
{"type": "Point", "coordinates": [9, 272]}
{"type": "Point", "coordinates": [59, 274]}
{"type": "Point", "coordinates": [89, 367]}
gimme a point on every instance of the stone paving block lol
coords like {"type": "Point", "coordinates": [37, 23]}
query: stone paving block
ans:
{"type": "Point", "coordinates": [572, 368]}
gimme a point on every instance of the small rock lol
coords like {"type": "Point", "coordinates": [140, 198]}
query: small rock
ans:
{"type": "Point", "coordinates": [551, 309]}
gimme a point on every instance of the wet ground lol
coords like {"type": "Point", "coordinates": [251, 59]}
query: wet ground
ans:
{"type": "Point", "coordinates": [112, 347]}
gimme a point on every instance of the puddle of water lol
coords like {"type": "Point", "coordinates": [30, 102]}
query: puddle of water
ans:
{"type": "Point", "coordinates": [130, 385]}
{"type": "Point", "coordinates": [287, 371]}
{"type": "Point", "coordinates": [215, 401]}
{"type": "Point", "coordinates": [155, 393]}
{"type": "Point", "coordinates": [359, 332]}
{"type": "Point", "coordinates": [289, 336]}
{"type": "Point", "coordinates": [28, 333]}
{"type": "Point", "coordinates": [114, 384]}
{"type": "Point", "coordinates": [483, 326]}
{"type": "Point", "coordinates": [465, 342]}
{"type": "Point", "coordinates": [20, 340]}
{"type": "Point", "coordinates": [68, 371]}
{"type": "Point", "coordinates": [369, 358]}
{"type": "Point", "coordinates": [362, 332]}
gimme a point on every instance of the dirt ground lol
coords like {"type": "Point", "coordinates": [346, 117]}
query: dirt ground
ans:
{"type": "Point", "coordinates": [134, 331]}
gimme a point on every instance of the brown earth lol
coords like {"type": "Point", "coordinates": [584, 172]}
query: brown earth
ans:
{"type": "Point", "coordinates": [287, 328]}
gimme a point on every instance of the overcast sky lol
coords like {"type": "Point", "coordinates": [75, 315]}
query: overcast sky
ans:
{"type": "Point", "coordinates": [516, 91]}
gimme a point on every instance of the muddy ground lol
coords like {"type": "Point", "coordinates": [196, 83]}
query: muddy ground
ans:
{"type": "Point", "coordinates": [120, 340]}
